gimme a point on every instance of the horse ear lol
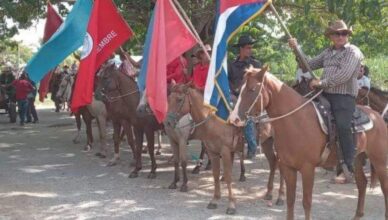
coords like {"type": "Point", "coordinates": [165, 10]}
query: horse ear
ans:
{"type": "Point", "coordinates": [262, 72]}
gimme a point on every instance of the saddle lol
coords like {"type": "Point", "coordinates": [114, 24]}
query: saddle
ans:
{"type": "Point", "coordinates": [360, 123]}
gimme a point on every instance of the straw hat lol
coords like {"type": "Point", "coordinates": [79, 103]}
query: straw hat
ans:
{"type": "Point", "coordinates": [338, 26]}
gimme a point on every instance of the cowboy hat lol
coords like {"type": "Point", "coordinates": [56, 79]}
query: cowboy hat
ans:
{"type": "Point", "coordinates": [338, 26]}
{"type": "Point", "coordinates": [244, 40]}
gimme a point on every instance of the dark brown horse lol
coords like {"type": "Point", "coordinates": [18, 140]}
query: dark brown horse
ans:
{"type": "Point", "coordinates": [122, 97]}
{"type": "Point", "coordinates": [293, 118]}
{"type": "Point", "coordinates": [373, 97]}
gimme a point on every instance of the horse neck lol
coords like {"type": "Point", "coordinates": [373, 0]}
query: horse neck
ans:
{"type": "Point", "coordinates": [128, 85]}
{"type": "Point", "coordinates": [377, 102]}
{"type": "Point", "coordinates": [198, 110]}
{"type": "Point", "coordinates": [283, 98]}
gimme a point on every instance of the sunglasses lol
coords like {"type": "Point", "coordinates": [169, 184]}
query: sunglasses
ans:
{"type": "Point", "coordinates": [337, 34]}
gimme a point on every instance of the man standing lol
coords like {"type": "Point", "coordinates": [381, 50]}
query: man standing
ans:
{"type": "Point", "coordinates": [22, 87]}
{"type": "Point", "coordinates": [341, 64]}
{"type": "Point", "coordinates": [236, 71]}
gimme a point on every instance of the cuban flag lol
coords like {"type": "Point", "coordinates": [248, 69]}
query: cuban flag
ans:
{"type": "Point", "coordinates": [232, 15]}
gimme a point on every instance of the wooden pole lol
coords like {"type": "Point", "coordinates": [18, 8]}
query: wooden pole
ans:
{"type": "Point", "coordinates": [191, 26]}
{"type": "Point", "coordinates": [298, 52]}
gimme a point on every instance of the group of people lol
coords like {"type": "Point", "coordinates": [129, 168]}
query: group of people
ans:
{"type": "Point", "coordinates": [23, 91]}
{"type": "Point", "coordinates": [56, 79]}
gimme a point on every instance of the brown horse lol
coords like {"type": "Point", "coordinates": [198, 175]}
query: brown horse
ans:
{"type": "Point", "coordinates": [296, 119]}
{"type": "Point", "coordinates": [374, 97]}
{"type": "Point", "coordinates": [122, 97]}
{"type": "Point", "coordinates": [221, 139]}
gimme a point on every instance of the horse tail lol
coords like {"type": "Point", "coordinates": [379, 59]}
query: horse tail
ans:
{"type": "Point", "coordinates": [373, 177]}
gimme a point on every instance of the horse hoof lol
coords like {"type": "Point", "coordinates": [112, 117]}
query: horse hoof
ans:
{"type": "Point", "coordinates": [158, 153]}
{"type": "Point", "coordinates": [98, 154]}
{"type": "Point", "coordinates": [184, 188]}
{"type": "Point", "coordinates": [243, 178]}
{"type": "Point", "coordinates": [75, 141]}
{"type": "Point", "coordinates": [151, 176]}
{"type": "Point", "coordinates": [111, 164]}
{"type": "Point", "coordinates": [196, 170]}
{"type": "Point", "coordinates": [87, 148]}
{"type": "Point", "coordinates": [230, 211]}
{"type": "Point", "coordinates": [280, 202]}
{"type": "Point", "coordinates": [212, 206]}
{"type": "Point", "coordinates": [102, 156]}
{"type": "Point", "coordinates": [133, 175]}
{"type": "Point", "coordinates": [268, 197]}
{"type": "Point", "coordinates": [172, 186]}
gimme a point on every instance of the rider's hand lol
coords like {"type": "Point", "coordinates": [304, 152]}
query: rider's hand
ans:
{"type": "Point", "coordinates": [293, 43]}
{"type": "Point", "coordinates": [315, 83]}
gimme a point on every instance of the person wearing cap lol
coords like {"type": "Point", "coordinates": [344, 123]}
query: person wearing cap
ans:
{"type": "Point", "coordinates": [201, 69]}
{"type": "Point", "coordinates": [236, 71]}
{"type": "Point", "coordinates": [22, 87]}
{"type": "Point", "coordinates": [341, 64]}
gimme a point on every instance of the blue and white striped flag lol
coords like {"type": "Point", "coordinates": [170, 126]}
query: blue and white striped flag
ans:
{"type": "Point", "coordinates": [232, 15]}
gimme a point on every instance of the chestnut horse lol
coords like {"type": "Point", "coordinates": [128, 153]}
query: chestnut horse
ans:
{"type": "Point", "coordinates": [293, 117]}
{"type": "Point", "coordinates": [221, 139]}
{"type": "Point", "coordinates": [122, 97]}
{"type": "Point", "coordinates": [375, 98]}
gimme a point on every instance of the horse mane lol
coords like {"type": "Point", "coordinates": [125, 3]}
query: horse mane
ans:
{"type": "Point", "coordinates": [379, 92]}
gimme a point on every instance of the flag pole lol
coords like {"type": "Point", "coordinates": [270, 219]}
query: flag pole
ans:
{"type": "Point", "coordinates": [297, 50]}
{"type": "Point", "coordinates": [191, 26]}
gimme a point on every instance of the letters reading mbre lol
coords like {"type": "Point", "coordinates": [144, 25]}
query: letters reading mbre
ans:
{"type": "Point", "coordinates": [106, 40]}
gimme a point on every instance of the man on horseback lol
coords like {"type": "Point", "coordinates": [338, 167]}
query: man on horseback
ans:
{"type": "Point", "coordinates": [236, 71]}
{"type": "Point", "coordinates": [54, 87]}
{"type": "Point", "coordinates": [6, 78]}
{"type": "Point", "coordinates": [341, 64]}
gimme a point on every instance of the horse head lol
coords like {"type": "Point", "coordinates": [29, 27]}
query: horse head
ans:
{"type": "Point", "coordinates": [253, 98]}
{"type": "Point", "coordinates": [178, 103]}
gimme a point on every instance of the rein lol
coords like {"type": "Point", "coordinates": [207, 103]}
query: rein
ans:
{"type": "Point", "coordinates": [111, 99]}
{"type": "Point", "coordinates": [262, 119]}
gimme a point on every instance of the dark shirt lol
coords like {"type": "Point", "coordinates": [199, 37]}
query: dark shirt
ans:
{"type": "Point", "coordinates": [236, 71]}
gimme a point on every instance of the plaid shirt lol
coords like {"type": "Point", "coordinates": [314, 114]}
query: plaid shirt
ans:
{"type": "Point", "coordinates": [340, 69]}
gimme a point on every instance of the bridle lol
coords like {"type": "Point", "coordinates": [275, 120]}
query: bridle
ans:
{"type": "Point", "coordinates": [265, 118]}
{"type": "Point", "coordinates": [109, 98]}
{"type": "Point", "coordinates": [177, 115]}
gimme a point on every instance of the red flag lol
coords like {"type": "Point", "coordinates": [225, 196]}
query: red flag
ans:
{"type": "Point", "coordinates": [53, 22]}
{"type": "Point", "coordinates": [107, 30]}
{"type": "Point", "coordinates": [170, 38]}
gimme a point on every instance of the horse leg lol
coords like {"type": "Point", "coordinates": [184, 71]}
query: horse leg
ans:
{"type": "Point", "coordinates": [117, 141]}
{"type": "Point", "coordinates": [200, 161]}
{"type": "Point", "coordinates": [183, 159]}
{"type": "Point", "coordinates": [78, 122]}
{"type": "Point", "coordinates": [101, 122]}
{"type": "Point", "coordinates": [290, 178]}
{"type": "Point", "coordinates": [159, 134]}
{"type": "Point", "coordinates": [216, 176]}
{"type": "Point", "coordinates": [131, 142]}
{"type": "Point", "coordinates": [150, 135]}
{"type": "Point", "coordinates": [242, 166]}
{"type": "Point", "coordinates": [379, 163]}
{"type": "Point", "coordinates": [139, 145]}
{"type": "Point", "coordinates": [308, 183]}
{"type": "Point", "coordinates": [266, 147]}
{"type": "Point", "coordinates": [175, 148]}
{"type": "Point", "coordinates": [89, 132]}
{"type": "Point", "coordinates": [228, 163]}
{"type": "Point", "coordinates": [361, 183]}
{"type": "Point", "coordinates": [280, 200]}
{"type": "Point", "coordinates": [209, 162]}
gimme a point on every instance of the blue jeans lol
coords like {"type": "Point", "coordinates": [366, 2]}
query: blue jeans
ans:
{"type": "Point", "coordinates": [250, 136]}
{"type": "Point", "coordinates": [22, 106]}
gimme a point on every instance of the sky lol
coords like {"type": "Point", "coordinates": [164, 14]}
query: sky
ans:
{"type": "Point", "coordinates": [31, 37]}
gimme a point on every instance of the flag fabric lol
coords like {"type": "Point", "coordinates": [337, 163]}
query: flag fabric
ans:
{"type": "Point", "coordinates": [53, 21]}
{"type": "Point", "coordinates": [107, 30]}
{"type": "Point", "coordinates": [67, 39]}
{"type": "Point", "coordinates": [168, 37]}
{"type": "Point", "coordinates": [232, 15]}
